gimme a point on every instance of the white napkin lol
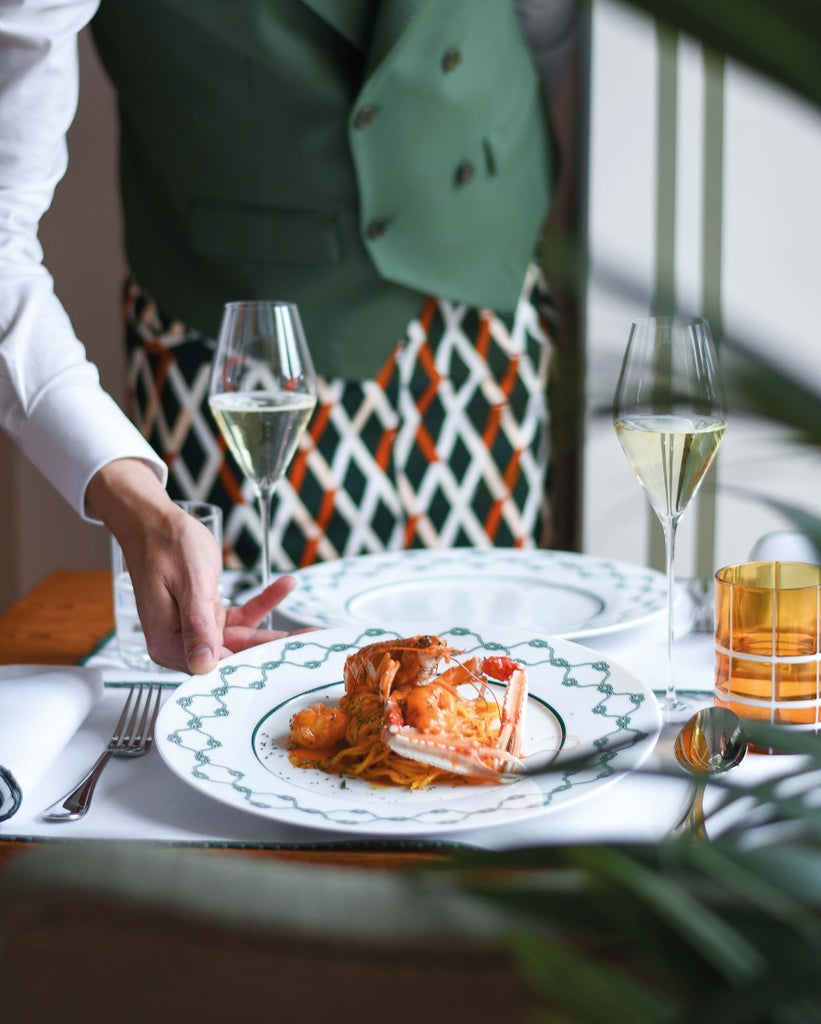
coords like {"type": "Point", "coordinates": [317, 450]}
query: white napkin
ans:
{"type": "Point", "coordinates": [41, 708]}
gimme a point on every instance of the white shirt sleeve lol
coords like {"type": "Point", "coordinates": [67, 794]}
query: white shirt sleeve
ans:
{"type": "Point", "coordinates": [551, 29]}
{"type": "Point", "coordinates": [51, 399]}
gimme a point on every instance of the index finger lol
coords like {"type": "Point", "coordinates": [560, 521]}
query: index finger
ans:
{"type": "Point", "coordinates": [254, 610]}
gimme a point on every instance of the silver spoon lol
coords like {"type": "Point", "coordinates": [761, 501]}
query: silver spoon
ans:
{"type": "Point", "coordinates": [711, 742]}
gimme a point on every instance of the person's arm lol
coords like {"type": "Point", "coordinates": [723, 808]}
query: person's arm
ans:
{"type": "Point", "coordinates": [552, 31]}
{"type": "Point", "coordinates": [51, 400]}
{"type": "Point", "coordinates": [551, 28]}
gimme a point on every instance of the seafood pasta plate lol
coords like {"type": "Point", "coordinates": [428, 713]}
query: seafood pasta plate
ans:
{"type": "Point", "coordinates": [562, 593]}
{"type": "Point", "coordinates": [226, 733]}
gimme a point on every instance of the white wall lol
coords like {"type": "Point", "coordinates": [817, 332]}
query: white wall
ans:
{"type": "Point", "coordinates": [770, 274]}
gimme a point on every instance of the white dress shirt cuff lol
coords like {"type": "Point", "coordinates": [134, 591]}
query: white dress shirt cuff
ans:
{"type": "Point", "coordinates": [70, 440]}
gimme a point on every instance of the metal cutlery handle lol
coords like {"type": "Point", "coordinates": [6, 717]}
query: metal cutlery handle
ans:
{"type": "Point", "coordinates": [133, 735]}
{"type": "Point", "coordinates": [692, 821]}
{"type": "Point", "coordinates": [75, 804]}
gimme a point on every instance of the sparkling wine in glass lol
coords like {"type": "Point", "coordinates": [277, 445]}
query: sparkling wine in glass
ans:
{"type": "Point", "coordinates": [262, 393]}
{"type": "Point", "coordinates": [669, 413]}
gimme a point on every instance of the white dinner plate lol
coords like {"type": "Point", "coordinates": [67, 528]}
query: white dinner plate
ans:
{"type": "Point", "coordinates": [556, 592]}
{"type": "Point", "coordinates": [225, 734]}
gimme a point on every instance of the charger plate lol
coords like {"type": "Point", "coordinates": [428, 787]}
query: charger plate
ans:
{"type": "Point", "coordinates": [561, 593]}
{"type": "Point", "coordinates": [225, 734]}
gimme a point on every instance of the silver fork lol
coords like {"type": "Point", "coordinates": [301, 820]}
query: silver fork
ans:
{"type": "Point", "coordinates": [132, 737]}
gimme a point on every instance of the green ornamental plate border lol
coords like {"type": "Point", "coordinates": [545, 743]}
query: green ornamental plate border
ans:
{"type": "Point", "coordinates": [627, 594]}
{"type": "Point", "coordinates": [196, 722]}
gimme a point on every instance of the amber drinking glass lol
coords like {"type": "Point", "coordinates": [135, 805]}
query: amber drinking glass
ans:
{"type": "Point", "coordinates": [768, 642]}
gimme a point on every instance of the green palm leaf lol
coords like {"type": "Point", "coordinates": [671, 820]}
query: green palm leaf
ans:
{"type": "Point", "coordinates": [778, 38]}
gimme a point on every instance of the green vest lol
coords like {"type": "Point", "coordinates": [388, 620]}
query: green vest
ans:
{"type": "Point", "coordinates": [349, 155]}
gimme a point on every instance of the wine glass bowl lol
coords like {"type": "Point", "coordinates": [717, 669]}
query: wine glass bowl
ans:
{"type": "Point", "coordinates": [262, 393]}
{"type": "Point", "coordinates": [670, 415]}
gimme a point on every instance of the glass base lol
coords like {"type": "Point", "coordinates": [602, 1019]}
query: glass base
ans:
{"type": "Point", "coordinates": [682, 706]}
{"type": "Point", "coordinates": [136, 657]}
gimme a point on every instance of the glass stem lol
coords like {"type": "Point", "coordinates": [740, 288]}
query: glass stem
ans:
{"type": "Point", "coordinates": [669, 526]}
{"type": "Point", "coordinates": [264, 500]}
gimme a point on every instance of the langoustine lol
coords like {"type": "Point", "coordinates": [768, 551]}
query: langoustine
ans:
{"type": "Point", "coordinates": [396, 702]}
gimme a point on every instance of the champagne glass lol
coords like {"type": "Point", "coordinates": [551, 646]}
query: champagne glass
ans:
{"type": "Point", "coordinates": [262, 393]}
{"type": "Point", "coordinates": [669, 413]}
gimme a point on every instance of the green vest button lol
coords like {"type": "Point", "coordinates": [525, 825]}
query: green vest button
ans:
{"type": "Point", "coordinates": [364, 116]}
{"type": "Point", "coordinates": [378, 226]}
{"type": "Point", "coordinates": [464, 173]}
{"type": "Point", "coordinates": [452, 59]}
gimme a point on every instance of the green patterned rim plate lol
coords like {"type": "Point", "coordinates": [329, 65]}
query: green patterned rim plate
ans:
{"type": "Point", "coordinates": [561, 593]}
{"type": "Point", "coordinates": [224, 734]}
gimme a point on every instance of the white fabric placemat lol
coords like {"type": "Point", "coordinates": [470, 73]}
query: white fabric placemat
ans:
{"type": "Point", "coordinates": [144, 800]}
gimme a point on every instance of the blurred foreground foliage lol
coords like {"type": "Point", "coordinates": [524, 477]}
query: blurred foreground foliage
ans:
{"type": "Point", "coordinates": [780, 39]}
{"type": "Point", "coordinates": [726, 931]}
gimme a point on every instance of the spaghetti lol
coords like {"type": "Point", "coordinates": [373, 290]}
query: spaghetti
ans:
{"type": "Point", "coordinates": [400, 724]}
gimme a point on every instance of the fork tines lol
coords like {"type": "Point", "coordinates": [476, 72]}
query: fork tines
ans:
{"type": "Point", "coordinates": [138, 730]}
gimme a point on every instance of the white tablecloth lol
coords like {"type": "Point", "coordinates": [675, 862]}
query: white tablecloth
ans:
{"type": "Point", "coordinates": [144, 800]}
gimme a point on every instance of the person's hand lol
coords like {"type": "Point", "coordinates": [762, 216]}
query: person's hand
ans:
{"type": "Point", "coordinates": [185, 623]}
{"type": "Point", "coordinates": [175, 567]}
{"type": "Point", "coordinates": [241, 622]}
